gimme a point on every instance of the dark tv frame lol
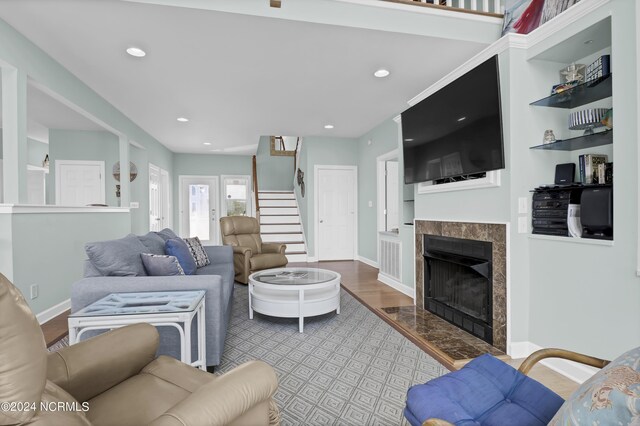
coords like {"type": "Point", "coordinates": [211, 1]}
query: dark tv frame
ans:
{"type": "Point", "coordinates": [466, 176]}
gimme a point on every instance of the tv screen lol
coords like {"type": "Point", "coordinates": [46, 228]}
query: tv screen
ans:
{"type": "Point", "coordinates": [457, 131]}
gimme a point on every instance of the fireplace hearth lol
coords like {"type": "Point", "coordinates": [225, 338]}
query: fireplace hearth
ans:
{"type": "Point", "coordinates": [492, 248]}
{"type": "Point", "coordinates": [458, 283]}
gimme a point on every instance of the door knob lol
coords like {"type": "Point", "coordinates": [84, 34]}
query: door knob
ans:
{"type": "Point", "coordinates": [321, 221]}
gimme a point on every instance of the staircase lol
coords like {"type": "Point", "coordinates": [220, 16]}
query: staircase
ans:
{"type": "Point", "coordinates": [280, 223]}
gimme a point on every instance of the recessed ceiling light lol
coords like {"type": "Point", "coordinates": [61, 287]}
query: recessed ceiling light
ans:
{"type": "Point", "coordinates": [136, 51]}
{"type": "Point", "coordinates": [206, 143]}
{"type": "Point", "coordinates": [462, 118]}
{"type": "Point", "coordinates": [588, 42]}
{"type": "Point", "coordinates": [328, 126]}
{"type": "Point", "coordinates": [408, 140]}
{"type": "Point", "coordinates": [182, 119]}
{"type": "Point", "coordinates": [381, 73]}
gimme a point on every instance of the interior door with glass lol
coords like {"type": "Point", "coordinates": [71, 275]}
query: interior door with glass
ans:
{"type": "Point", "coordinates": [199, 208]}
{"type": "Point", "coordinates": [236, 196]}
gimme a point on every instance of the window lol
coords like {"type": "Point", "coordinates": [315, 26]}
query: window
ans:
{"type": "Point", "coordinates": [236, 194]}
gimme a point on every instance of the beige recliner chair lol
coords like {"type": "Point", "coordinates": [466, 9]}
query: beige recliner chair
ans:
{"type": "Point", "coordinates": [250, 254]}
{"type": "Point", "coordinates": [116, 379]}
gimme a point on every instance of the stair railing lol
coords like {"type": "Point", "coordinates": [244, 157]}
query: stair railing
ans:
{"type": "Point", "coordinates": [254, 176]}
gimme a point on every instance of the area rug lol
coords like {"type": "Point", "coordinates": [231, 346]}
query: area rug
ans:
{"type": "Point", "coordinates": [347, 369]}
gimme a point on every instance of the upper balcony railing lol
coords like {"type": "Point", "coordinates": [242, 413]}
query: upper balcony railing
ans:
{"type": "Point", "coordinates": [482, 7]}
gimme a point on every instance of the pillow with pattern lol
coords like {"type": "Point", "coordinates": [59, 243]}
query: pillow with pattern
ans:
{"type": "Point", "coordinates": [197, 251]}
{"type": "Point", "coordinates": [610, 397]}
{"type": "Point", "coordinates": [161, 265]}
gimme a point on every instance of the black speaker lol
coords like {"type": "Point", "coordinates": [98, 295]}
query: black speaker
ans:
{"type": "Point", "coordinates": [596, 213]}
{"type": "Point", "coordinates": [565, 173]}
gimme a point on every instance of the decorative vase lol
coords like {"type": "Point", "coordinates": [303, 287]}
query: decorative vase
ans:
{"type": "Point", "coordinates": [549, 137]}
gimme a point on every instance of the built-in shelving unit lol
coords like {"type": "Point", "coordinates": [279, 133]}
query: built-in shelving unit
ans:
{"type": "Point", "coordinates": [580, 142]}
{"type": "Point", "coordinates": [582, 94]}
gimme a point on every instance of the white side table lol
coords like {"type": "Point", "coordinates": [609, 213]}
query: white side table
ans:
{"type": "Point", "coordinates": [159, 308]}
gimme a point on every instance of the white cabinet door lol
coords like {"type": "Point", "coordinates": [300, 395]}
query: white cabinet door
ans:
{"type": "Point", "coordinates": [79, 183]}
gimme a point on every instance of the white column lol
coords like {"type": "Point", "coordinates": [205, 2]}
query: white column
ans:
{"type": "Point", "coordinates": [125, 187]}
{"type": "Point", "coordinates": [14, 135]}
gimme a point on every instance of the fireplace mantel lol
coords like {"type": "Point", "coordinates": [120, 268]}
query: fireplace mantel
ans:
{"type": "Point", "coordinates": [491, 232]}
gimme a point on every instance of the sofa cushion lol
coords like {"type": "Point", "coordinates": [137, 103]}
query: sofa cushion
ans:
{"type": "Point", "coordinates": [167, 234]}
{"type": "Point", "coordinates": [161, 265]}
{"type": "Point", "coordinates": [153, 242]}
{"type": "Point", "coordinates": [485, 392]}
{"type": "Point", "coordinates": [178, 248]}
{"type": "Point", "coordinates": [119, 258]}
{"type": "Point", "coordinates": [197, 251]}
{"type": "Point", "coordinates": [221, 269]}
{"type": "Point", "coordinates": [611, 396]}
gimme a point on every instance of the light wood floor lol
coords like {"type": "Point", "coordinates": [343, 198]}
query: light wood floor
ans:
{"type": "Point", "coordinates": [361, 281]}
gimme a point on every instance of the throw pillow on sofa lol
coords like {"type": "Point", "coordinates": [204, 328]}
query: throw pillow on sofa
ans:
{"type": "Point", "coordinates": [119, 258]}
{"type": "Point", "coordinates": [167, 234]}
{"type": "Point", "coordinates": [161, 265]}
{"type": "Point", "coordinates": [609, 397]}
{"type": "Point", "coordinates": [197, 251]}
{"type": "Point", "coordinates": [153, 242]}
{"type": "Point", "coordinates": [178, 248]}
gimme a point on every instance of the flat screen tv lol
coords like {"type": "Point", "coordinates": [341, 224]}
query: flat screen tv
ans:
{"type": "Point", "coordinates": [456, 133]}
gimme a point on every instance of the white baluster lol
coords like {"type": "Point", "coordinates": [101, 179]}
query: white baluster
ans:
{"type": "Point", "coordinates": [485, 5]}
{"type": "Point", "coordinates": [449, 3]}
{"type": "Point", "coordinates": [496, 6]}
{"type": "Point", "coordinates": [474, 5]}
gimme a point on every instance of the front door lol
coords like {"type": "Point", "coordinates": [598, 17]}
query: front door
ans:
{"type": "Point", "coordinates": [336, 221]}
{"type": "Point", "coordinates": [199, 208]}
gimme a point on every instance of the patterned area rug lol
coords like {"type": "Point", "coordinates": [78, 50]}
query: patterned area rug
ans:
{"type": "Point", "coordinates": [347, 369]}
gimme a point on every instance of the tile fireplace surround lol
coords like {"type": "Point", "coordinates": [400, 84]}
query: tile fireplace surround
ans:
{"type": "Point", "coordinates": [492, 232]}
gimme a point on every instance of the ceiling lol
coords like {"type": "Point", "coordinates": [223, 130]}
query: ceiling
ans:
{"type": "Point", "coordinates": [236, 77]}
{"type": "Point", "coordinates": [44, 112]}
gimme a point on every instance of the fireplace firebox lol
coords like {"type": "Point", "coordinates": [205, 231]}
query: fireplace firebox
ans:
{"type": "Point", "coordinates": [458, 283]}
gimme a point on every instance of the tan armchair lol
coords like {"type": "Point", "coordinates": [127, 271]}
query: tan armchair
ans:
{"type": "Point", "coordinates": [250, 254]}
{"type": "Point", "coordinates": [116, 379]}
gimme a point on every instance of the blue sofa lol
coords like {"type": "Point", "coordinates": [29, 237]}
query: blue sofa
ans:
{"type": "Point", "coordinates": [216, 279]}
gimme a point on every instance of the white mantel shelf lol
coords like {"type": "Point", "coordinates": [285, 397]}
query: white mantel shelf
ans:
{"type": "Point", "coordinates": [31, 208]}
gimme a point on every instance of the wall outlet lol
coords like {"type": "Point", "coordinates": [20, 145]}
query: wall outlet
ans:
{"type": "Point", "coordinates": [370, 203]}
{"type": "Point", "coordinates": [522, 205]}
{"type": "Point", "coordinates": [134, 205]}
{"type": "Point", "coordinates": [522, 225]}
{"type": "Point", "coordinates": [34, 290]}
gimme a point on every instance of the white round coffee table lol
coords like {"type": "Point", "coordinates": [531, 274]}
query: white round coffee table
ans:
{"type": "Point", "coordinates": [294, 293]}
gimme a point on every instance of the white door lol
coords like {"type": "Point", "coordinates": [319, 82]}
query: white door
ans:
{"type": "Point", "coordinates": [236, 196]}
{"type": "Point", "coordinates": [79, 183]}
{"type": "Point", "coordinates": [155, 201]}
{"type": "Point", "coordinates": [336, 218]}
{"type": "Point", "coordinates": [199, 208]}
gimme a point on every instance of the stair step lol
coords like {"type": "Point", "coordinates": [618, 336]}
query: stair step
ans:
{"type": "Point", "coordinates": [296, 257]}
{"type": "Point", "coordinates": [285, 232]}
{"type": "Point", "coordinates": [295, 252]}
{"type": "Point", "coordinates": [279, 223]}
{"type": "Point", "coordinates": [278, 215]}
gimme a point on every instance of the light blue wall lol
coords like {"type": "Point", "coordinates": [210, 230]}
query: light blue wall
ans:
{"type": "Point", "coordinates": [56, 240]}
{"type": "Point", "coordinates": [321, 151]}
{"type": "Point", "coordinates": [36, 151]}
{"type": "Point", "coordinates": [89, 146]}
{"type": "Point", "coordinates": [206, 165]}
{"type": "Point", "coordinates": [48, 250]}
{"type": "Point", "coordinates": [275, 173]}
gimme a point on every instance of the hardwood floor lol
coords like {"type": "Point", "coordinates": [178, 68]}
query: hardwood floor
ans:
{"type": "Point", "coordinates": [360, 280]}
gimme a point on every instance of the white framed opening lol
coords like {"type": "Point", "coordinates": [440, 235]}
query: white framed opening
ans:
{"type": "Point", "coordinates": [80, 182]}
{"type": "Point", "coordinates": [236, 196]}
{"type": "Point", "coordinates": [335, 212]}
{"type": "Point", "coordinates": [199, 207]}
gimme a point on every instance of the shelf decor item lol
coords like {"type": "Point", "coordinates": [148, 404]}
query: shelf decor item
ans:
{"type": "Point", "coordinates": [574, 72]}
{"type": "Point", "coordinates": [45, 162]}
{"type": "Point", "coordinates": [587, 119]}
{"type": "Point", "coordinates": [607, 120]}
{"type": "Point", "coordinates": [549, 137]}
{"type": "Point", "coordinates": [599, 68]}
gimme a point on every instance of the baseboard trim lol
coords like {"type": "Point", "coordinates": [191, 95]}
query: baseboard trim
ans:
{"type": "Point", "coordinates": [572, 370]}
{"type": "Point", "coordinates": [396, 285]}
{"type": "Point", "coordinates": [312, 259]}
{"type": "Point", "coordinates": [367, 261]}
{"type": "Point", "coordinates": [54, 311]}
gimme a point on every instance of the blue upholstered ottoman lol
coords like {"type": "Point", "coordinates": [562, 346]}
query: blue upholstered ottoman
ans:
{"type": "Point", "coordinates": [485, 392]}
